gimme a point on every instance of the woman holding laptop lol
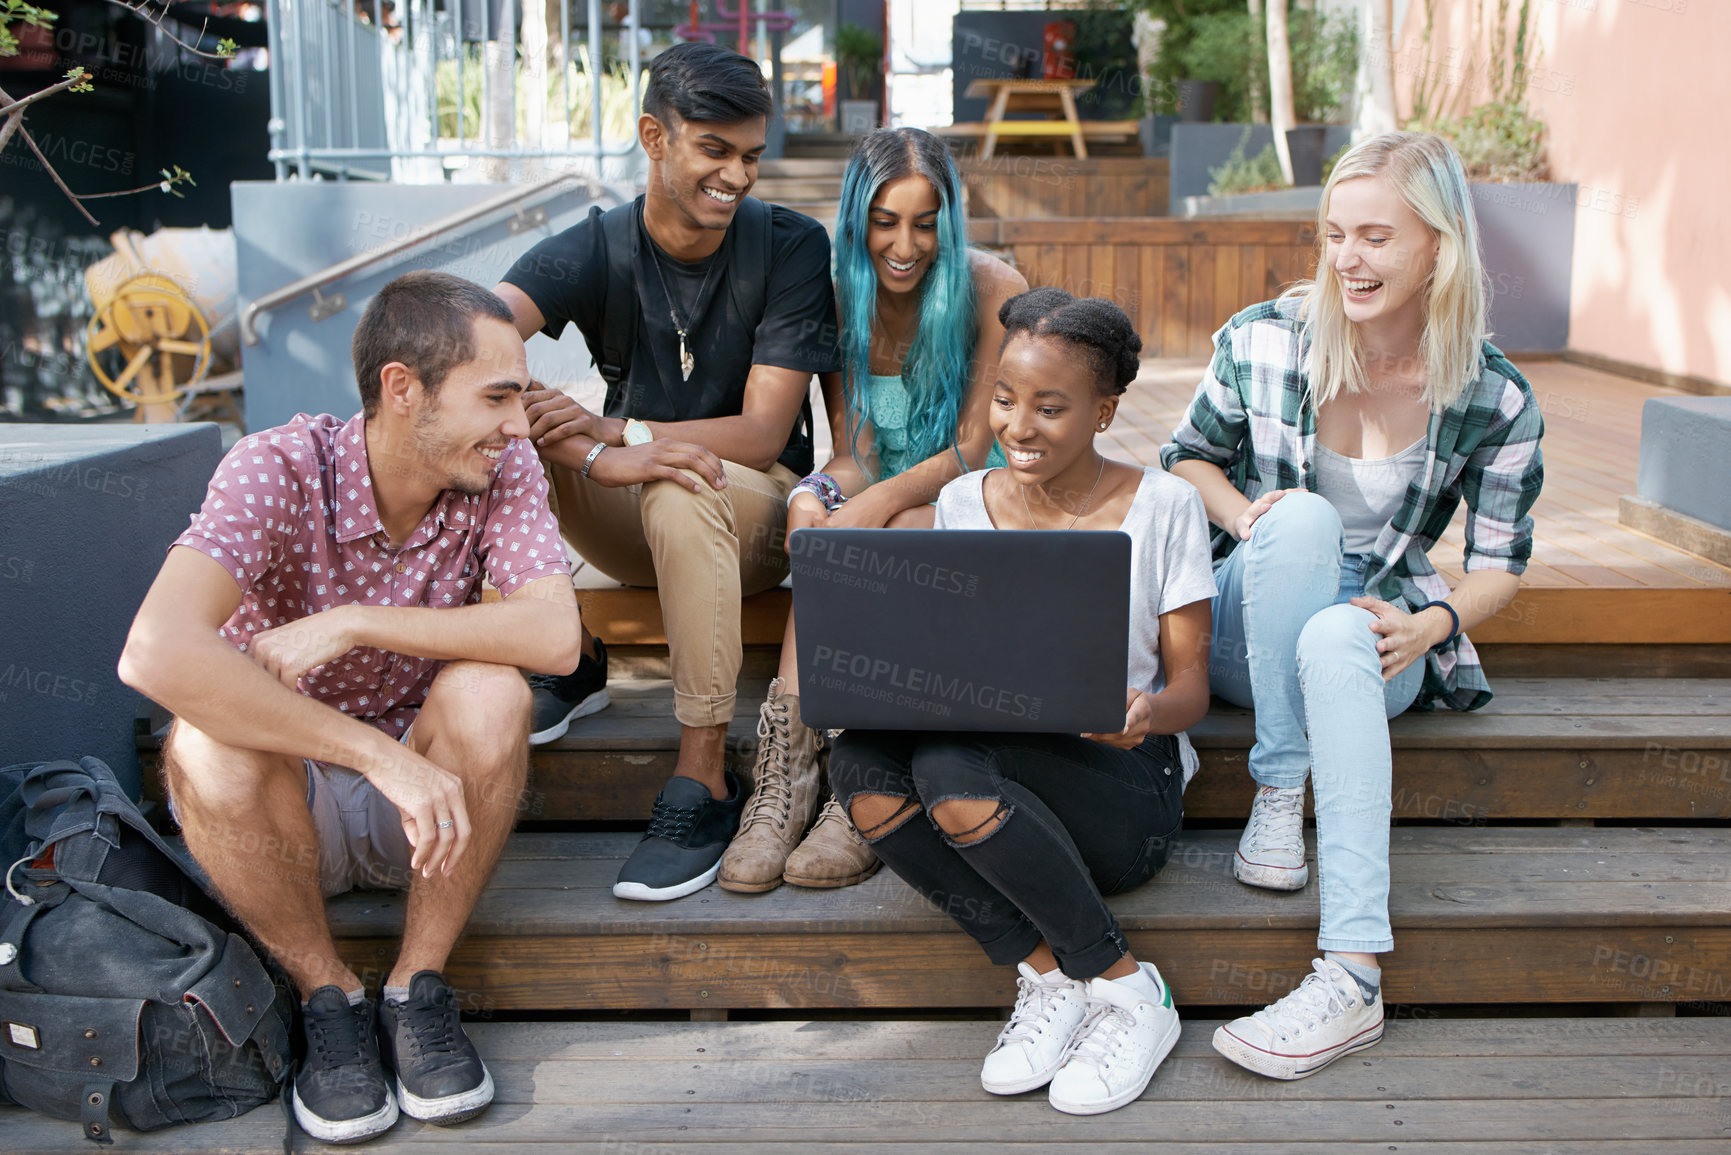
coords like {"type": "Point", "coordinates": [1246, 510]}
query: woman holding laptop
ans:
{"type": "Point", "coordinates": [1018, 836]}
{"type": "Point", "coordinates": [1332, 439]}
{"type": "Point", "coordinates": [919, 330]}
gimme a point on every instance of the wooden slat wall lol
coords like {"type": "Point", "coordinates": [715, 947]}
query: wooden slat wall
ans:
{"type": "Point", "coordinates": [1179, 280]}
{"type": "Point", "coordinates": [1014, 187]}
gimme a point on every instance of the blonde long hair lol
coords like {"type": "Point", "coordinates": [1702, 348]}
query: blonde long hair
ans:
{"type": "Point", "coordinates": [1428, 176]}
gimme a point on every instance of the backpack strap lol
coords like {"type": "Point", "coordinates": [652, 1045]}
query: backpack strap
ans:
{"type": "Point", "coordinates": [753, 258]}
{"type": "Point", "coordinates": [617, 231]}
{"type": "Point", "coordinates": [753, 255]}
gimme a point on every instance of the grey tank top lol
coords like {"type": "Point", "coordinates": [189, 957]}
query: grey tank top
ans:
{"type": "Point", "coordinates": [1366, 492]}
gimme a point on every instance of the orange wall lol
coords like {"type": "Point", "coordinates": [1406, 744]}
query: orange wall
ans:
{"type": "Point", "coordinates": [1636, 95]}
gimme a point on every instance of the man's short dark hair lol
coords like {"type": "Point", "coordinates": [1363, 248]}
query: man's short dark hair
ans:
{"type": "Point", "coordinates": [705, 82]}
{"type": "Point", "coordinates": [426, 320]}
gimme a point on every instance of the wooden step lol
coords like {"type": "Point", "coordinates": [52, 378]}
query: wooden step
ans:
{"type": "Point", "coordinates": [1564, 1086]}
{"type": "Point", "coordinates": [1564, 748]}
{"type": "Point", "coordinates": [1537, 616]}
{"type": "Point", "coordinates": [1481, 915]}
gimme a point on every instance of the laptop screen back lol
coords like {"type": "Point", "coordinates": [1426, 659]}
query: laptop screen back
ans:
{"type": "Point", "coordinates": [971, 630]}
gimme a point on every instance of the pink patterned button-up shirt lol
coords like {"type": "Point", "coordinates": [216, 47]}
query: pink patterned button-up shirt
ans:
{"type": "Point", "coordinates": [290, 515]}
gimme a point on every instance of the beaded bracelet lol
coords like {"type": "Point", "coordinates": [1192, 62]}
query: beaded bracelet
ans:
{"type": "Point", "coordinates": [821, 486]}
{"type": "Point", "coordinates": [1454, 631]}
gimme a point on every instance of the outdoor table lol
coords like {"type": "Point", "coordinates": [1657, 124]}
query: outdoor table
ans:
{"type": "Point", "coordinates": [1055, 98]}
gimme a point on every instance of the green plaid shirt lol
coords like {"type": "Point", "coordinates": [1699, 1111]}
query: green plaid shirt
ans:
{"type": "Point", "coordinates": [1251, 417]}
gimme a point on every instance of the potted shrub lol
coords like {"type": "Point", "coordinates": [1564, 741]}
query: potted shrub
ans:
{"type": "Point", "coordinates": [1526, 222]}
{"type": "Point", "coordinates": [859, 54]}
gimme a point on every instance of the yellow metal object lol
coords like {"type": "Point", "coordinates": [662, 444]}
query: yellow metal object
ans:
{"type": "Point", "coordinates": [156, 327]}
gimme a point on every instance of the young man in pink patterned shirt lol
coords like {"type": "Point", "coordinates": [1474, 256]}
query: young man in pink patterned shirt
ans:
{"type": "Point", "coordinates": [347, 710]}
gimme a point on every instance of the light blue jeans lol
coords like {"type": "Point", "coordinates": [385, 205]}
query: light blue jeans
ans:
{"type": "Point", "coordinates": [1287, 645]}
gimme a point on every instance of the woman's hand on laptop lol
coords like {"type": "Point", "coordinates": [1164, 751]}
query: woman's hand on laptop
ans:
{"type": "Point", "coordinates": [1138, 721]}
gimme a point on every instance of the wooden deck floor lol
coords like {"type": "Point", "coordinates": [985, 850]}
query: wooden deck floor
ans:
{"type": "Point", "coordinates": [1591, 447]}
{"type": "Point", "coordinates": [1560, 1086]}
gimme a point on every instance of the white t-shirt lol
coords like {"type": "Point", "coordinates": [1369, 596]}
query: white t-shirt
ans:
{"type": "Point", "coordinates": [1170, 563]}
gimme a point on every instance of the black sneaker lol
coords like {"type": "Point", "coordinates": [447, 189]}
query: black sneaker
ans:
{"type": "Point", "coordinates": [688, 833]}
{"type": "Point", "coordinates": [440, 1078]}
{"type": "Point", "coordinates": [561, 699]}
{"type": "Point", "coordinates": [340, 1092]}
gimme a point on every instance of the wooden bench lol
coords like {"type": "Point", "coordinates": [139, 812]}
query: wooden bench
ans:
{"type": "Point", "coordinates": [1574, 748]}
{"type": "Point", "coordinates": [1481, 914]}
{"type": "Point", "coordinates": [1570, 1086]}
{"type": "Point", "coordinates": [1470, 893]}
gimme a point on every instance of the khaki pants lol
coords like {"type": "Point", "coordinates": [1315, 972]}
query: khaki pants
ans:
{"type": "Point", "coordinates": [702, 551]}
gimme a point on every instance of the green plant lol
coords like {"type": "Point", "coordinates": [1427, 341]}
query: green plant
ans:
{"type": "Point", "coordinates": [859, 54]}
{"type": "Point", "coordinates": [1182, 19]}
{"type": "Point", "coordinates": [1226, 47]}
{"type": "Point", "coordinates": [1328, 165]}
{"type": "Point", "coordinates": [77, 80]}
{"type": "Point", "coordinates": [618, 113]}
{"type": "Point", "coordinates": [1324, 62]}
{"type": "Point", "coordinates": [1260, 173]}
{"type": "Point", "coordinates": [1105, 54]}
{"type": "Point", "coordinates": [1230, 48]}
{"type": "Point", "coordinates": [1500, 139]}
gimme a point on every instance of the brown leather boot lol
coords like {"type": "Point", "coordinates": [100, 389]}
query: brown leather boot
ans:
{"type": "Point", "coordinates": [833, 854]}
{"type": "Point", "coordinates": [783, 797]}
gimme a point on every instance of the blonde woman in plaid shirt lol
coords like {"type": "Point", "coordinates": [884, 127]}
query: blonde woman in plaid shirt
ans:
{"type": "Point", "coordinates": [1334, 435]}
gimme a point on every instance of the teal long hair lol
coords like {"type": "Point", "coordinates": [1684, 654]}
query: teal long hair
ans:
{"type": "Point", "coordinates": [935, 371]}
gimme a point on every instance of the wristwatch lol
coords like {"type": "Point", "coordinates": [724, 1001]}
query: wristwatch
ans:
{"type": "Point", "coordinates": [637, 433]}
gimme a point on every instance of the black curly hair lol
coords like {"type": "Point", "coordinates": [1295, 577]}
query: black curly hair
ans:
{"type": "Point", "coordinates": [1093, 324]}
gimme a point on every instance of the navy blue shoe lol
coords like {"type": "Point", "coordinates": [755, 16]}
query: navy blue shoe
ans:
{"type": "Point", "coordinates": [688, 833]}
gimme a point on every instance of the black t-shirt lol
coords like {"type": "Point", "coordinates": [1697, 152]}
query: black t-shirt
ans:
{"type": "Point", "coordinates": [566, 277]}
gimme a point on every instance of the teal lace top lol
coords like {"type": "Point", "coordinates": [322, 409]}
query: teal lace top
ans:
{"type": "Point", "coordinates": [888, 399]}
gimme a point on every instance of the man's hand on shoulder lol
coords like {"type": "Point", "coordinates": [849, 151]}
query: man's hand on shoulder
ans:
{"type": "Point", "coordinates": [294, 649]}
{"type": "Point", "coordinates": [659, 460]}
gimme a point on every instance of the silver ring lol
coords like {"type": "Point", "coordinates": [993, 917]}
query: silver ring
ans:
{"type": "Point", "coordinates": [447, 823]}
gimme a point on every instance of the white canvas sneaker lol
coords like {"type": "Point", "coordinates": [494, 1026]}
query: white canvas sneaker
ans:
{"type": "Point", "coordinates": [1031, 1046]}
{"type": "Point", "coordinates": [1117, 1048]}
{"type": "Point", "coordinates": [1271, 850]}
{"type": "Point", "coordinates": [1324, 1017]}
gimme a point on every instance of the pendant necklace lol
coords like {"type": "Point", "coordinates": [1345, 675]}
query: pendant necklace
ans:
{"type": "Point", "coordinates": [1079, 512]}
{"type": "Point", "coordinates": [687, 362]}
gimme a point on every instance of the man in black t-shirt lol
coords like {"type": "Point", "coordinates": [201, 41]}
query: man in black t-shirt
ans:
{"type": "Point", "coordinates": [708, 313]}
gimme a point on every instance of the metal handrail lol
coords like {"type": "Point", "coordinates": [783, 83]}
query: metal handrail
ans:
{"type": "Point", "coordinates": [326, 306]}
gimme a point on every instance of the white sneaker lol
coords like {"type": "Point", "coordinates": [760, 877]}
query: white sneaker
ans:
{"type": "Point", "coordinates": [1031, 1047]}
{"type": "Point", "coordinates": [1271, 850]}
{"type": "Point", "coordinates": [1117, 1048]}
{"type": "Point", "coordinates": [1324, 1018]}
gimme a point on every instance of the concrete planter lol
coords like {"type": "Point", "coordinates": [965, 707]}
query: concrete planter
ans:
{"type": "Point", "coordinates": [1527, 234]}
{"type": "Point", "coordinates": [1281, 204]}
{"type": "Point", "coordinates": [1197, 148]}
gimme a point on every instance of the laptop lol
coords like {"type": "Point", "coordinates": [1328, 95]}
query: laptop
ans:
{"type": "Point", "coordinates": [972, 630]}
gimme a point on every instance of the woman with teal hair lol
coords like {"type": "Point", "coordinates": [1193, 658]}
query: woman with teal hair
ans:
{"type": "Point", "coordinates": [908, 412]}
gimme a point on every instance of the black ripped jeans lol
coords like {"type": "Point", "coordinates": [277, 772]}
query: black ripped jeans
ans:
{"type": "Point", "coordinates": [1077, 820]}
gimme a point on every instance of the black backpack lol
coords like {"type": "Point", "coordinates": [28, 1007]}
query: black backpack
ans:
{"type": "Point", "coordinates": [125, 994]}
